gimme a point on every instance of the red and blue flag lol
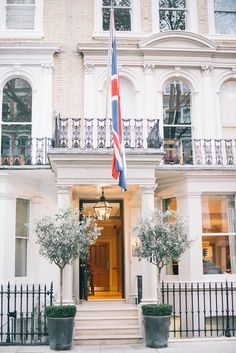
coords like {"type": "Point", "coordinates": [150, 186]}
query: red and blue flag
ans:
{"type": "Point", "coordinates": [118, 159]}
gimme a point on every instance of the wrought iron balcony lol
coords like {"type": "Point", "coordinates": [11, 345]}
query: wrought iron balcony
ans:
{"type": "Point", "coordinates": [97, 133]}
{"type": "Point", "coordinates": [200, 152]}
{"type": "Point", "coordinates": [24, 151]}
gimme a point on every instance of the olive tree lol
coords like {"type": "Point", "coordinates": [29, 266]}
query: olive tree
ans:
{"type": "Point", "coordinates": [161, 236]}
{"type": "Point", "coordinates": [64, 237]}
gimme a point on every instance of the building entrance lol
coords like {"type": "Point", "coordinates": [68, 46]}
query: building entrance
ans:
{"type": "Point", "coordinates": [102, 276]}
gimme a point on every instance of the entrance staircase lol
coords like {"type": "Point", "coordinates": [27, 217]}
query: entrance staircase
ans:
{"type": "Point", "coordinates": [107, 322]}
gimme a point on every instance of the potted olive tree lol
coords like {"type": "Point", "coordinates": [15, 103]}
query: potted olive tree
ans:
{"type": "Point", "coordinates": [161, 236]}
{"type": "Point", "coordinates": [62, 238]}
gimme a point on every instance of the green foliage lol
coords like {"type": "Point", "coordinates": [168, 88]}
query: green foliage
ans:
{"type": "Point", "coordinates": [161, 235]}
{"type": "Point", "coordinates": [60, 311]}
{"type": "Point", "coordinates": [156, 309]}
{"type": "Point", "coordinates": [65, 236]}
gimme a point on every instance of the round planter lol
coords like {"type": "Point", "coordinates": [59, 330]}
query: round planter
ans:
{"type": "Point", "coordinates": [156, 331]}
{"type": "Point", "coordinates": [60, 332]}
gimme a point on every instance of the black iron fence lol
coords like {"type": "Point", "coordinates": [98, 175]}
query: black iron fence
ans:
{"type": "Point", "coordinates": [200, 309]}
{"type": "Point", "coordinates": [22, 319]}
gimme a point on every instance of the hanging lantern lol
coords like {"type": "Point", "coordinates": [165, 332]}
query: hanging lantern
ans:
{"type": "Point", "coordinates": [102, 208]}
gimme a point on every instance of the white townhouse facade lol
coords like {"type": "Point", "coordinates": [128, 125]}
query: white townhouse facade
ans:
{"type": "Point", "coordinates": [177, 65]}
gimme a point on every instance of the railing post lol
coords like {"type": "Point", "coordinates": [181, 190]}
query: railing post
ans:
{"type": "Point", "coordinates": [8, 313]}
{"type": "Point", "coordinates": [227, 330]}
{"type": "Point", "coordinates": [139, 289]}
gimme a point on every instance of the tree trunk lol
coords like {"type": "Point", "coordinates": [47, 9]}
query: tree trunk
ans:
{"type": "Point", "coordinates": [61, 286]}
{"type": "Point", "coordinates": [158, 285]}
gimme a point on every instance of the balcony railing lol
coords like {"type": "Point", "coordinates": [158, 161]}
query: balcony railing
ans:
{"type": "Point", "coordinates": [97, 133]}
{"type": "Point", "coordinates": [24, 152]}
{"type": "Point", "coordinates": [94, 134]}
{"type": "Point", "coordinates": [200, 152]}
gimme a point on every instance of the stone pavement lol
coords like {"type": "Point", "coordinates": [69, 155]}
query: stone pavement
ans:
{"type": "Point", "coordinates": [219, 345]}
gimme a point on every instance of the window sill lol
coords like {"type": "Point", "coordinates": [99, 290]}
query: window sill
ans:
{"type": "Point", "coordinates": [224, 37]}
{"type": "Point", "coordinates": [21, 34]}
{"type": "Point", "coordinates": [119, 34]}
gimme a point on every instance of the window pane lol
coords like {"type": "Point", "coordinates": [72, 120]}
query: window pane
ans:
{"type": "Point", "coordinates": [20, 17]}
{"type": "Point", "coordinates": [172, 4]}
{"type": "Point", "coordinates": [218, 214]}
{"type": "Point", "coordinates": [22, 218]}
{"type": "Point", "coordinates": [17, 101]}
{"type": "Point", "coordinates": [176, 103]}
{"type": "Point", "coordinates": [21, 258]}
{"type": "Point", "coordinates": [228, 99]}
{"type": "Point", "coordinates": [225, 5]}
{"type": "Point", "coordinates": [172, 20]}
{"type": "Point", "coordinates": [225, 22]}
{"type": "Point", "coordinates": [117, 3]}
{"type": "Point", "coordinates": [216, 254]}
{"type": "Point", "coordinates": [122, 19]}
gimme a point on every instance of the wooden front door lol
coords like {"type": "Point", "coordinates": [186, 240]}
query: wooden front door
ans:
{"type": "Point", "coordinates": [99, 265]}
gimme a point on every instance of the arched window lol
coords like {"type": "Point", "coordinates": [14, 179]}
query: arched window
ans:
{"type": "Point", "coordinates": [228, 108]}
{"type": "Point", "coordinates": [177, 122]}
{"type": "Point", "coordinates": [16, 122]}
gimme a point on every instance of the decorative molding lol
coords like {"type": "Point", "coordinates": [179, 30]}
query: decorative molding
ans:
{"type": "Point", "coordinates": [148, 68]}
{"type": "Point", "coordinates": [88, 68]}
{"type": "Point", "coordinates": [47, 67]}
{"type": "Point", "coordinates": [206, 70]}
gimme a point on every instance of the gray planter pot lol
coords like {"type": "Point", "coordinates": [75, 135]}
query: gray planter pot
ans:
{"type": "Point", "coordinates": [60, 332]}
{"type": "Point", "coordinates": [156, 331]}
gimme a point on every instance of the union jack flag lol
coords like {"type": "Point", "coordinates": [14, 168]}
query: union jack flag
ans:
{"type": "Point", "coordinates": [118, 159]}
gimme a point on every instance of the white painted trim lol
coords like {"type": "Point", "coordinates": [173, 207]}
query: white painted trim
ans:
{"type": "Point", "coordinates": [37, 32]}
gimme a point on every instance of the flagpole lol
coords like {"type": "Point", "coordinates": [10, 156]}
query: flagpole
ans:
{"type": "Point", "coordinates": [107, 121]}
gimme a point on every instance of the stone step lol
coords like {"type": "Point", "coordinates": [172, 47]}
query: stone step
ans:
{"type": "Point", "coordinates": [109, 340]}
{"type": "Point", "coordinates": [102, 321]}
{"type": "Point", "coordinates": [106, 312]}
{"type": "Point", "coordinates": [99, 332]}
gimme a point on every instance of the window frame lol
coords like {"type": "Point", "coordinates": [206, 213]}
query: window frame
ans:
{"type": "Point", "coordinates": [191, 16]}
{"type": "Point", "coordinates": [212, 27]}
{"type": "Point", "coordinates": [26, 238]}
{"type": "Point", "coordinates": [135, 21]}
{"type": "Point", "coordinates": [216, 234]}
{"type": "Point", "coordinates": [37, 31]}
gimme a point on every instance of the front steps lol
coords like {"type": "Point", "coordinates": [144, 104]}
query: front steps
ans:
{"type": "Point", "coordinates": [107, 322]}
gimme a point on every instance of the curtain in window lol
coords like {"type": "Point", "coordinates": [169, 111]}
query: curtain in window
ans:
{"type": "Point", "coordinates": [231, 225]}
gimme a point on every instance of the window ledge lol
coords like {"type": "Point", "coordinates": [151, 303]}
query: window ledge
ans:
{"type": "Point", "coordinates": [222, 37]}
{"type": "Point", "coordinates": [21, 34]}
{"type": "Point", "coordinates": [119, 34]}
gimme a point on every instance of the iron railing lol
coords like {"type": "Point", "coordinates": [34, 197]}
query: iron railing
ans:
{"type": "Point", "coordinates": [201, 309]}
{"type": "Point", "coordinates": [200, 152]}
{"type": "Point", "coordinates": [24, 152]}
{"type": "Point", "coordinates": [97, 133]}
{"type": "Point", "coordinates": [22, 319]}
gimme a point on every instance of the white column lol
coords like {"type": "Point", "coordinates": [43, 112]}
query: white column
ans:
{"type": "Point", "coordinates": [149, 89]}
{"type": "Point", "coordinates": [149, 270]}
{"type": "Point", "coordinates": [208, 106]}
{"type": "Point", "coordinates": [64, 200]}
{"type": "Point", "coordinates": [7, 231]}
{"type": "Point", "coordinates": [190, 265]}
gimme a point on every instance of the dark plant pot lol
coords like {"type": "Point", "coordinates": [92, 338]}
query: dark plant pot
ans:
{"type": "Point", "coordinates": [156, 331]}
{"type": "Point", "coordinates": [60, 332]}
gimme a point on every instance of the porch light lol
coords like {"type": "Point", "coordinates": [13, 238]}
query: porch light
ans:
{"type": "Point", "coordinates": [102, 208]}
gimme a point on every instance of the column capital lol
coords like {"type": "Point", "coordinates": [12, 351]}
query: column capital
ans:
{"type": "Point", "coordinates": [147, 189]}
{"type": "Point", "coordinates": [148, 68]}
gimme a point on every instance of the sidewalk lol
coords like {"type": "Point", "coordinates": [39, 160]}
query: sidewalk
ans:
{"type": "Point", "coordinates": [219, 345]}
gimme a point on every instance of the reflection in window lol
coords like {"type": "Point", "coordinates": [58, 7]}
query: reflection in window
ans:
{"type": "Point", "coordinates": [225, 16]}
{"type": "Point", "coordinates": [172, 15]}
{"type": "Point", "coordinates": [219, 234]}
{"type": "Point", "coordinates": [22, 234]}
{"type": "Point", "coordinates": [228, 99]}
{"type": "Point", "coordinates": [172, 267]}
{"type": "Point", "coordinates": [177, 123]}
{"type": "Point", "coordinates": [16, 124]}
{"type": "Point", "coordinates": [122, 14]}
{"type": "Point", "coordinates": [20, 14]}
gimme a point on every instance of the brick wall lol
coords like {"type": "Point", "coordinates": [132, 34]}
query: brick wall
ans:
{"type": "Point", "coordinates": [202, 14]}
